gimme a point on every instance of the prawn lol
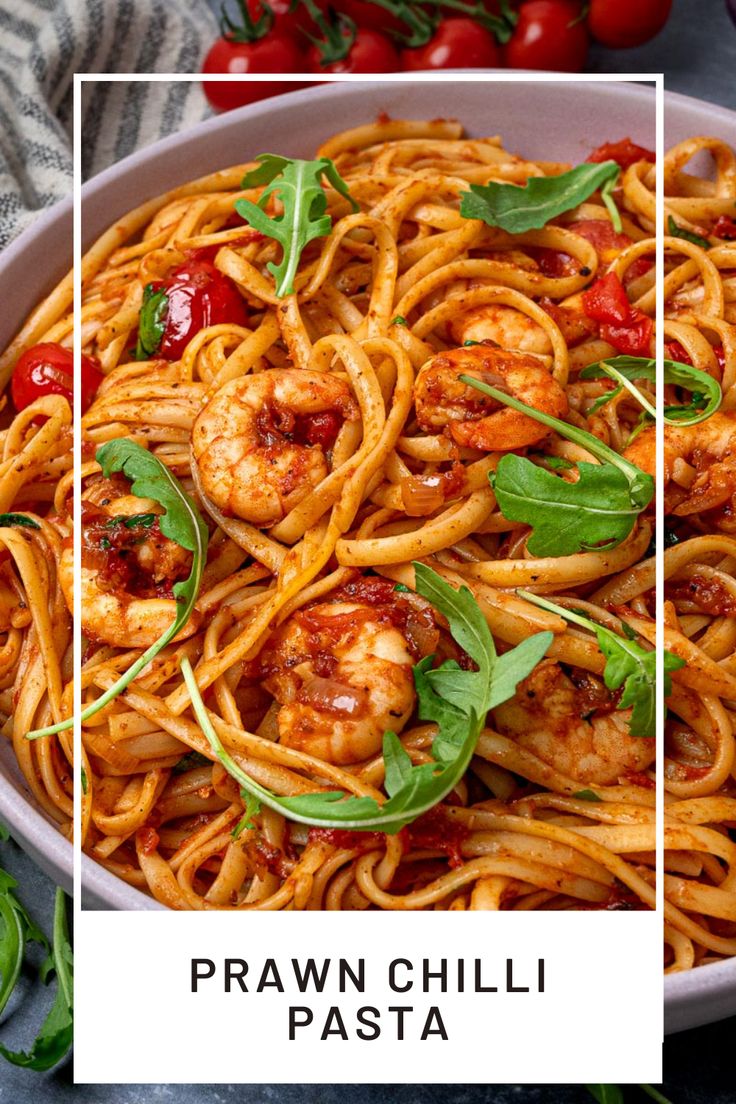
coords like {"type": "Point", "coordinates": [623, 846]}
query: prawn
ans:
{"type": "Point", "coordinates": [514, 330]}
{"type": "Point", "coordinates": [342, 673]}
{"type": "Point", "coordinates": [699, 463]}
{"type": "Point", "coordinates": [476, 420]}
{"type": "Point", "coordinates": [570, 723]}
{"type": "Point", "coordinates": [128, 570]}
{"type": "Point", "coordinates": [260, 443]}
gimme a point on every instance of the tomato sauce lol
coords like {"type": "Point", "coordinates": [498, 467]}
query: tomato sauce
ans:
{"type": "Point", "coordinates": [436, 831]}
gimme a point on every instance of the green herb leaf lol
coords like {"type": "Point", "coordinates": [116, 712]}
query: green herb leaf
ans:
{"type": "Point", "coordinates": [191, 761]}
{"type": "Point", "coordinates": [180, 522]}
{"type": "Point", "coordinates": [587, 795]}
{"type": "Point", "coordinates": [530, 207]}
{"type": "Point", "coordinates": [399, 320]}
{"type": "Point", "coordinates": [454, 699]}
{"type": "Point", "coordinates": [594, 513]}
{"type": "Point", "coordinates": [252, 808]}
{"type": "Point", "coordinates": [706, 394]}
{"type": "Point", "coordinates": [151, 322]}
{"type": "Point", "coordinates": [606, 1094]}
{"type": "Point", "coordinates": [132, 521]}
{"type": "Point", "coordinates": [9, 520]}
{"type": "Point", "coordinates": [676, 231]}
{"type": "Point", "coordinates": [610, 203]}
{"type": "Point", "coordinates": [628, 665]}
{"type": "Point", "coordinates": [298, 186]}
{"type": "Point", "coordinates": [84, 780]}
{"type": "Point", "coordinates": [54, 1039]}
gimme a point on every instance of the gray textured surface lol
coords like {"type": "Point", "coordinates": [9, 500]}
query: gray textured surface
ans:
{"type": "Point", "coordinates": [697, 52]}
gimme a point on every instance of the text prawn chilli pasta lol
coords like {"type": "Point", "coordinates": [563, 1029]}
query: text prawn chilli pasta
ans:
{"type": "Point", "coordinates": [700, 559]}
{"type": "Point", "coordinates": [366, 568]}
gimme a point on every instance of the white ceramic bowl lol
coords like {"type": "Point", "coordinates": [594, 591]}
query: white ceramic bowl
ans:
{"type": "Point", "coordinates": [545, 119]}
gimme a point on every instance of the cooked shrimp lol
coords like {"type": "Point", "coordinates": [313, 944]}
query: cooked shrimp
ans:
{"type": "Point", "coordinates": [509, 328]}
{"type": "Point", "coordinates": [342, 672]}
{"type": "Point", "coordinates": [128, 571]}
{"type": "Point", "coordinates": [474, 419]}
{"type": "Point", "coordinates": [573, 728]}
{"type": "Point", "coordinates": [260, 443]}
{"type": "Point", "coordinates": [699, 463]}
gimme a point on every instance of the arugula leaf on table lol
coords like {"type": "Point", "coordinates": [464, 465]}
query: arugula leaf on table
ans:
{"type": "Point", "coordinates": [180, 522]}
{"type": "Point", "coordinates": [676, 231]}
{"type": "Point", "coordinates": [517, 208]}
{"type": "Point", "coordinates": [298, 185]}
{"type": "Point", "coordinates": [628, 665]}
{"type": "Point", "coordinates": [9, 520]}
{"type": "Point", "coordinates": [705, 392]}
{"type": "Point", "coordinates": [528, 493]}
{"type": "Point", "coordinates": [151, 322]}
{"type": "Point", "coordinates": [454, 699]}
{"type": "Point", "coordinates": [54, 1038]}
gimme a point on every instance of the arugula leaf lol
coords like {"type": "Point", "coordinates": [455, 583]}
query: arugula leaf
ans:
{"type": "Point", "coordinates": [298, 186]}
{"type": "Point", "coordinates": [8, 520]}
{"type": "Point", "coordinates": [518, 208]}
{"type": "Point", "coordinates": [606, 1094]}
{"type": "Point", "coordinates": [252, 808]}
{"type": "Point", "coordinates": [84, 780]}
{"type": "Point", "coordinates": [530, 494]}
{"type": "Point", "coordinates": [190, 761]}
{"type": "Point", "coordinates": [54, 1039]}
{"type": "Point", "coordinates": [151, 322]}
{"type": "Point", "coordinates": [706, 394]}
{"type": "Point", "coordinates": [454, 699]}
{"type": "Point", "coordinates": [594, 513]}
{"type": "Point", "coordinates": [587, 795]}
{"type": "Point", "coordinates": [610, 203]}
{"type": "Point", "coordinates": [676, 231]}
{"type": "Point", "coordinates": [628, 665]}
{"type": "Point", "coordinates": [180, 522]}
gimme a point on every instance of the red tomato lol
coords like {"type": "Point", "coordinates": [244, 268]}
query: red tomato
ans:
{"type": "Point", "coordinates": [286, 21]}
{"type": "Point", "coordinates": [623, 23]}
{"type": "Point", "coordinates": [48, 369]}
{"type": "Point", "coordinates": [370, 52]}
{"type": "Point", "coordinates": [601, 235]}
{"type": "Point", "coordinates": [606, 301]}
{"type": "Point", "coordinates": [199, 295]}
{"type": "Point", "coordinates": [640, 267]}
{"type": "Point", "coordinates": [372, 16]}
{"type": "Point", "coordinates": [276, 53]}
{"type": "Point", "coordinates": [725, 227]}
{"type": "Point", "coordinates": [456, 44]}
{"type": "Point", "coordinates": [548, 35]}
{"type": "Point", "coordinates": [673, 350]}
{"type": "Point", "coordinates": [624, 153]}
{"type": "Point", "coordinates": [634, 338]}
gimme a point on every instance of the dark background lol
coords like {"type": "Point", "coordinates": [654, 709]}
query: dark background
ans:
{"type": "Point", "coordinates": [697, 52]}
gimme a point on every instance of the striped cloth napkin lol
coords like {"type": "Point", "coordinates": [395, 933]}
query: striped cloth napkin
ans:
{"type": "Point", "coordinates": [43, 43]}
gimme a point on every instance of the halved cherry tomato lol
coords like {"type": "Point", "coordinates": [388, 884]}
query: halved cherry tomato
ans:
{"type": "Point", "coordinates": [199, 295]}
{"type": "Point", "coordinates": [370, 52]}
{"type": "Point", "coordinates": [725, 228]}
{"type": "Point", "coordinates": [624, 23]}
{"type": "Point", "coordinates": [634, 338]}
{"type": "Point", "coordinates": [456, 44]}
{"type": "Point", "coordinates": [624, 153]}
{"type": "Point", "coordinates": [549, 34]}
{"type": "Point", "coordinates": [48, 369]}
{"type": "Point", "coordinates": [275, 53]}
{"type": "Point", "coordinates": [606, 301]}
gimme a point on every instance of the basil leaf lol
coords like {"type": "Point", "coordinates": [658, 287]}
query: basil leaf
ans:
{"type": "Point", "coordinates": [594, 513]}
{"type": "Point", "coordinates": [530, 207]}
{"type": "Point", "coordinates": [54, 1039]}
{"type": "Point", "coordinates": [706, 394]}
{"type": "Point", "coordinates": [458, 711]}
{"type": "Point", "coordinates": [298, 186]}
{"type": "Point", "coordinates": [628, 665]}
{"type": "Point", "coordinates": [676, 231]}
{"type": "Point", "coordinates": [9, 520]}
{"type": "Point", "coordinates": [151, 322]}
{"type": "Point", "coordinates": [180, 522]}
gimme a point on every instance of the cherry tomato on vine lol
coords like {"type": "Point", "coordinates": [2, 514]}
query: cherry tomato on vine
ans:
{"type": "Point", "coordinates": [48, 369]}
{"type": "Point", "coordinates": [550, 35]}
{"type": "Point", "coordinates": [456, 44]}
{"type": "Point", "coordinates": [286, 20]}
{"type": "Point", "coordinates": [275, 53]}
{"type": "Point", "coordinates": [370, 52]}
{"type": "Point", "coordinates": [624, 23]}
{"type": "Point", "coordinates": [364, 13]}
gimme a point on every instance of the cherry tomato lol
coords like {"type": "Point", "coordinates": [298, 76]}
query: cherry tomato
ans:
{"type": "Point", "coordinates": [456, 44]}
{"type": "Point", "coordinates": [286, 21]}
{"type": "Point", "coordinates": [624, 23]}
{"type": "Point", "coordinates": [48, 369]}
{"type": "Point", "coordinates": [634, 338]}
{"type": "Point", "coordinates": [199, 295]}
{"type": "Point", "coordinates": [606, 301]}
{"type": "Point", "coordinates": [548, 35]}
{"type": "Point", "coordinates": [370, 52]}
{"type": "Point", "coordinates": [673, 350]}
{"type": "Point", "coordinates": [624, 153]}
{"type": "Point", "coordinates": [276, 53]}
{"type": "Point", "coordinates": [366, 14]}
{"type": "Point", "coordinates": [601, 235]}
{"type": "Point", "coordinates": [725, 227]}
